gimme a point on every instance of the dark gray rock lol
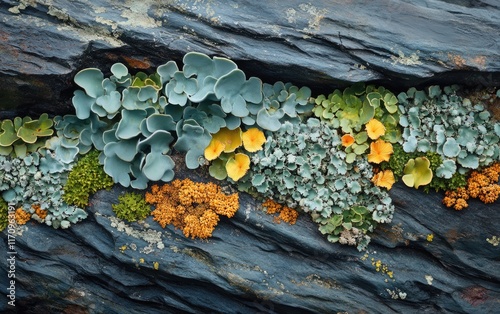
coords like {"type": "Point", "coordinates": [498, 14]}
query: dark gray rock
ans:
{"type": "Point", "coordinates": [320, 44]}
{"type": "Point", "coordinates": [253, 265]}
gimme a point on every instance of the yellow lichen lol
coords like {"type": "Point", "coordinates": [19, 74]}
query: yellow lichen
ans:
{"type": "Point", "coordinates": [231, 139]}
{"type": "Point", "coordinates": [380, 151]}
{"type": "Point", "coordinates": [384, 179]}
{"type": "Point", "coordinates": [214, 149]}
{"type": "Point", "coordinates": [382, 268]}
{"type": "Point", "coordinates": [193, 207]}
{"type": "Point", "coordinates": [253, 139]}
{"type": "Point", "coordinates": [375, 129]}
{"type": "Point", "coordinates": [237, 166]}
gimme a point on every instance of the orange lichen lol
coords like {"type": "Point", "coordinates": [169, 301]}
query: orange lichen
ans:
{"type": "Point", "coordinates": [22, 216]}
{"type": "Point", "coordinates": [384, 179]}
{"type": "Point", "coordinates": [375, 129]}
{"type": "Point", "coordinates": [480, 184]}
{"type": "Point", "coordinates": [193, 207]}
{"type": "Point", "coordinates": [286, 213]}
{"type": "Point", "coordinates": [380, 151]}
{"type": "Point", "coordinates": [347, 140]}
{"type": "Point", "coordinates": [39, 211]}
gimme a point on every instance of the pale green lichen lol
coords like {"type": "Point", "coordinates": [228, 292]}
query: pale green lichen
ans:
{"type": "Point", "coordinates": [495, 241]}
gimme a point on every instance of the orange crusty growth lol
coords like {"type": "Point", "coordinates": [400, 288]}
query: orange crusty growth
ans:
{"type": "Point", "coordinates": [39, 211]}
{"type": "Point", "coordinates": [22, 217]}
{"type": "Point", "coordinates": [193, 207]}
{"type": "Point", "coordinates": [286, 214]}
{"type": "Point", "coordinates": [480, 184]}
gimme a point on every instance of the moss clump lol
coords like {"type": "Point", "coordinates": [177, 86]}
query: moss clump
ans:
{"type": "Point", "coordinates": [86, 178]}
{"type": "Point", "coordinates": [397, 162]}
{"type": "Point", "coordinates": [131, 207]}
{"type": "Point", "coordinates": [4, 214]}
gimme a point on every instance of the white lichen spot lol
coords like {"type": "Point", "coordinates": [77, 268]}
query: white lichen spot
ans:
{"type": "Point", "coordinates": [104, 21]}
{"type": "Point", "coordinates": [493, 241]}
{"type": "Point", "coordinates": [396, 294]}
{"type": "Point", "coordinates": [315, 16]}
{"type": "Point", "coordinates": [401, 58]}
{"type": "Point", "coordinates": [151, 236]}
{"type": "Point", "coordinates": [23, 4]}
{"type": "Point", "coordinates": [290, 15]}
{"type": "Point", "coordinates": [99, 10]}
{"type": "Point", "coordinates": [429, 279]}
{"type": "Point", "coordinates": [137, 14]}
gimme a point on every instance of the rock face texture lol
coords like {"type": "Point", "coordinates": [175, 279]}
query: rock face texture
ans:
{"type": "Point", "coordinates": [320, 44]}
{"type": "Point", "coordinates": [253, 265]}
{"type": "Point", "coordinates": [428, 260]}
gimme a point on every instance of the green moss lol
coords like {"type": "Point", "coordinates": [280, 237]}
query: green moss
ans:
{"type": "Point", "coordinates": [86, 178]}
{"type": "Point", "coordinates": [458, 180]}
{"type": "Point", "coordinates": [398, 161]}
{"type": "Point", "coordinates": [4, 214]}
{"type": "Point", "coordinates": [131, 207]}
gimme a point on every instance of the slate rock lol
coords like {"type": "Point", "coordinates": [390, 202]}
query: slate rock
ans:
{"type": "Point", "coordinates": [321, 44]}
{"type": "Point", "coordinates": [253, 265]}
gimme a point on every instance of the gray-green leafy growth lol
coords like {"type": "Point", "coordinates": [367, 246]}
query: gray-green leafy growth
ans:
{"type": "Point", "coordinates": [443, 122]}
{"type": "Point", "coordinates": [301, 165]}
{"type": "Point", "coordinates": [38, 179]}
{"type": "Point", "coordinates": [22, 136]}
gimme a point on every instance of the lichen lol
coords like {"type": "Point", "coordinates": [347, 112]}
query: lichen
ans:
{"type": "Point", "coordinates": [22, 217]}
{"type": "Point", "coordinates": [480, 184]}
{"type": "Point", "coordinates": [285, 213]}
{"type": "Point", "coordinates": [193, 207]}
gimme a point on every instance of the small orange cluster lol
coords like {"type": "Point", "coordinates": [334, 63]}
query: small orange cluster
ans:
{"type": "Point", "coordinates": [286, 214]}
{"type": "Point", "coordinates": [480, 184]}
{"type": "Point", "coordinates": [193, 207]}
{"type": "Point", "coordinates": [39, 211]}
{"type": "Point", "coordinates": [22, 216]}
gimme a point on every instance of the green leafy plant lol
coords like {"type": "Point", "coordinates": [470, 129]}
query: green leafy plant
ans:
{"type": "Point", "coordinates": [85, 178]}
{"type": "Point", "coordinates": [352, 109]}
{"type": "Point", "coordinates": [131, 207]}
{"type": "Point", "coordinates": [21, 136]}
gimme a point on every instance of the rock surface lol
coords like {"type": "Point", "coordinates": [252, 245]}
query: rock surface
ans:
{"type": "Point", "coordinates": [253, 265]}
{"type": "Point", "coordinates": [320, 44]}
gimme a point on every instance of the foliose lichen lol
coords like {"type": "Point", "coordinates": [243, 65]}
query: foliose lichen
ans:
{"type": "Point", "coordinates": [303, 166]}
{"type": "Point", "coordinates": [441, 121]}
{"type": "Point", "coordinates": [38, 179]}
